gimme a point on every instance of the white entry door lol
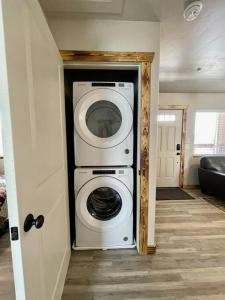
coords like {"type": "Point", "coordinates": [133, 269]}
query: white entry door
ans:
{"type": "Point", "coordinates": [32, 108]}
{"type": "Point", "coordinates": [169, 147]}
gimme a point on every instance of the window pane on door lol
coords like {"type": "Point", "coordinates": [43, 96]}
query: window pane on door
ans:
{"type": "Point", "coordinates": [166, 117]}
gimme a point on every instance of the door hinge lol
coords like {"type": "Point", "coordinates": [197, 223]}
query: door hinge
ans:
{"type": "Point", "coordinates": [14, 234]}
{"type": "Point", "coordinates": [139, 172]}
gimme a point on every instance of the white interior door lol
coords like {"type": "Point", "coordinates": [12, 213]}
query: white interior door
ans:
{"type": "Point", "coordinates": [32, 108]}
{"type": "Point", "coordinates": [169, 147]}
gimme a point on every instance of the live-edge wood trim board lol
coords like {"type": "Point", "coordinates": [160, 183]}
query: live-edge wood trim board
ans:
{"type": "Point", "coordinates": [145, 59]}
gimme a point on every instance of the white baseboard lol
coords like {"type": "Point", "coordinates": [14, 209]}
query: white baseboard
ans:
{"type": "Point", "coordinates": [106, 248]}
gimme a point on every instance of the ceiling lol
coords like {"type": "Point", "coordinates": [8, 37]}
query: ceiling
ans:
{"type": "Point", "coordinates": [192, 54]}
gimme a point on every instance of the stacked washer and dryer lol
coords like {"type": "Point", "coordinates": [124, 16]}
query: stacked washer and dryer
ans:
{"type": "Point", "coordinates": [103, 140]}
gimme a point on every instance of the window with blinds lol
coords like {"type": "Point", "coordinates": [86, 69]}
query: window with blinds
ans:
{"type": "Point", "coordinates": [209, 133]}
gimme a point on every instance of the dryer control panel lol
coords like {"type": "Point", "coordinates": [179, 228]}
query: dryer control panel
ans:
{"type": "Point", "coordinates": [83, 175]}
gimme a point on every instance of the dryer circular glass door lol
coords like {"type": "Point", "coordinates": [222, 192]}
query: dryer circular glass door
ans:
{"type": "Point", "coordinates": [103, 203]}
{"type": "Point", "coordinates": [103, 118]}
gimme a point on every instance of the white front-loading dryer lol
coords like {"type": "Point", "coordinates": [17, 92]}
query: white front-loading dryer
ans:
{"type": "Point", "coordinates": [104, 208]}
{"type": "Point", "coordinates": [103, 123]}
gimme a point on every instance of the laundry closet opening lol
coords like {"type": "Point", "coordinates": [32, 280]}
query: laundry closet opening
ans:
{"type": "Point", "coordinates": [104, 76]}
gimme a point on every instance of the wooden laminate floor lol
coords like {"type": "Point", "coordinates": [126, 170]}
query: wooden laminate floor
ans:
{"type": "Point", "coordinates": [189, 264]}
{"type": "Point", "coordinates": [6, 273]}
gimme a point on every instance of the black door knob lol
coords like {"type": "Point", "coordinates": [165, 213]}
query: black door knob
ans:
{"type": "Point", "coordinates": [31, 221]}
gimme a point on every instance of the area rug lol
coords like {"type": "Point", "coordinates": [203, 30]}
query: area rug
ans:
{"type": "Point", "coordinates": [172, 194]}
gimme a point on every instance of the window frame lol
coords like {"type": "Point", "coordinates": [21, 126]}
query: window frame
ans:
{"type": "Point", "coordinates": [193, 148]}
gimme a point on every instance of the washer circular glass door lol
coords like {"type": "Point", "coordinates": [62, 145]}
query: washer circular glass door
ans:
{"type": "Point", "coordinates": [103, 203]}
{"type": "Point", "coordinates": [103, 118]}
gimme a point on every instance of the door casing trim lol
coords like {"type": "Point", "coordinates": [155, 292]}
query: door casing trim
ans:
{"type": "Point", "coordinates": [145, 59]}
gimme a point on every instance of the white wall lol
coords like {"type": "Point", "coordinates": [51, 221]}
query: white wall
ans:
{"type": "Point", "coordinates": [2, 171]}
{"type": "Point", "coordinates": [107, 35]}
{"type": "Point", "coordinates": [195, 102]}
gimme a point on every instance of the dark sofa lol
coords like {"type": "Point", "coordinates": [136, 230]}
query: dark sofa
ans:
{"type": "Point", "coordinates": [212, 175]}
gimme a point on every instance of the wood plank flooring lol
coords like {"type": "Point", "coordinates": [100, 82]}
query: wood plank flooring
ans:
{"type": "Point", "coordinates": [6, 273]}
{"type": "Point", "coordinates": [189, 264]}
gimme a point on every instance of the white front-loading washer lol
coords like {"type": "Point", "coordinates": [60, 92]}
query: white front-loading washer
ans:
{"type": "Point", "coordinates": [104, 208]}
{"type": "Point", "coordinates": [103, 123]}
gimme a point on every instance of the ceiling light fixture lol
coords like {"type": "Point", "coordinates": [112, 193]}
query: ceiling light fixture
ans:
{"type": "Point", "coordinates": [192, 10]}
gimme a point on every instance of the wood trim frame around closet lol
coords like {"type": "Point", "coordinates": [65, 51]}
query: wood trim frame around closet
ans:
{"type": "Point", "coordinates": [183, 135]}
{"type": "Point", "coordinates": [144, 59]}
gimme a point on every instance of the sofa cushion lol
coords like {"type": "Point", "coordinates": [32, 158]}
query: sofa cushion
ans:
{"type": "Point", "coordinates": [214, 163]}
